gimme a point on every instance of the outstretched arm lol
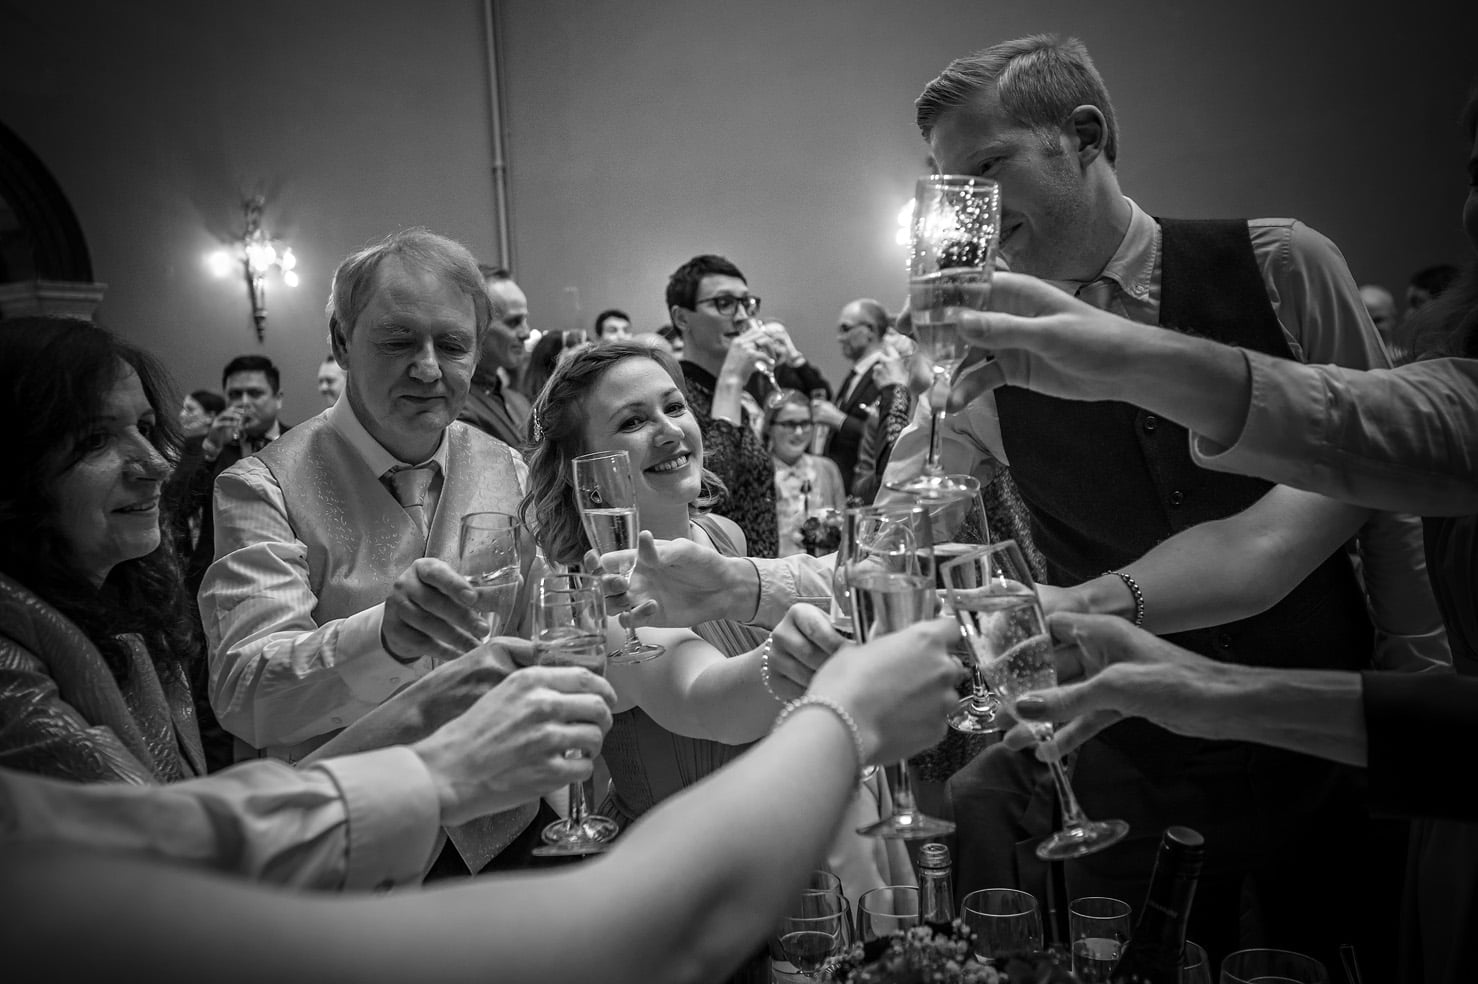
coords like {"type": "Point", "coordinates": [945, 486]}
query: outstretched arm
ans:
{"type": "Point", "coordinates": [685, 894]}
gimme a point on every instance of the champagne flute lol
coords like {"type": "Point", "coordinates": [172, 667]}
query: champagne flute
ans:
{"type": "Point", "coordinates": [1004, 921]}
{"type": "Point", "coordinates": [958, 521]}
{"type": "Point", "coordinates": [956, 230]}
{"type": "Point", "coordinates": [776, 396]}
{"type": "Point", "coordinates": [606, 497]}
{"type": "Point", "coordinates": [881, 912]}
{"type": "Point", "coordinates": [1099, 928]}
{"type": "Point", "coordinates": [891, 580]}
{"type": "Point", "coordinates": [1272, 967]}
{"type": "Point", "coordinates": [569, 629]}
{"type": "Point", "coordinates": [995, 600]}
{"type": "Point", "coordinates": [489, 555]}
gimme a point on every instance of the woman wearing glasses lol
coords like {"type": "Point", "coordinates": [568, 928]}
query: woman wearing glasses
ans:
{"type": "Point", "coordinates": [805, 483]}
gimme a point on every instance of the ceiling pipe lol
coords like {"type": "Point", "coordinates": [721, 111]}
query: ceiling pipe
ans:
{"type": "Point", "coordinates": [495, 112]}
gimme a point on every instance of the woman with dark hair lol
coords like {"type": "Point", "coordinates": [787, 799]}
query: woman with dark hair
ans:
{"type": "Point", "coordinates": [95, 633]}
{"type": "Point", "coordinates": [548, 350]}
{"type": "Point", "coordinates": [200, 408]}
{"type": "Point", "coordinates": [720, 684]}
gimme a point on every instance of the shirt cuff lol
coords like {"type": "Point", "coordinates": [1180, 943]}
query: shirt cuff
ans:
{"type": "Point", "coordinates": [371, 673]}
{"type": "Point", "coordinates": [1283, 412]}
{"type": "Point", "coordinates": [785, 580]}
{"type": "Point", "coordinates": [393, 817]}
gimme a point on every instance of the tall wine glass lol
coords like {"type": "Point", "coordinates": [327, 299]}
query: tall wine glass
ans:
{"type": "Point", "coordinates": [569, 629]}
{"type": "Point", "coordinates": [890, 576]}
{"type": "Point", "coordinates": [957, 518]}
{"type": "Point", "coordinates": [995, 600]}
{"type": "Point", "coordinates": [776, 396]}
{"type": "Point", "coordinates": [607, 500]}
{"type": "Point", "coordinates": [956, 230]}
{"type": "Point", "coordinates": [489, 555]}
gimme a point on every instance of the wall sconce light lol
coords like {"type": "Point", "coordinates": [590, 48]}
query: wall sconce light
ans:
{"type": "Point", "coordinates": [258, 254]}
{"type": "Point", "coordinates": [904, 235]}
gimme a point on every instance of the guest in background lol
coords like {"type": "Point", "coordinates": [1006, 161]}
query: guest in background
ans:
{"type": "Point", "coordinates": [334, 586]}
{"type": "Point", "coordinates": [330, 380]}
{"type": "Point", "coordinates": [805, 483]}
{"type": "Point", "coordinates": [900, 379]}
{"type": "Point", "coordinates": [199, 409]}
{"type": "Point", "coordinates": [496, 402]}
{"type": "Point", "coordinates": [612, 325]}
{"type": "Point", "coordinates": [860, 330]}
{"type": "Point", "coordinates": [551, 349]}
{"type": "Point", "coordinates": [1382, 309]}
{"type": "Point", "coordinates": [1426, 284]}
{"type": "Point", "coordinates": [710, 303]}
{"type": "Point", "coordinates": [674, 338]}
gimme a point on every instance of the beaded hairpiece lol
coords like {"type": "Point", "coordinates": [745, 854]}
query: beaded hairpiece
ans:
{"type": "Point", "coordinates": [538, 428]}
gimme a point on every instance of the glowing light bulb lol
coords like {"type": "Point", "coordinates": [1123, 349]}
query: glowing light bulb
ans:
{"type": "Point", "coordinates": [219, 263]}
{"type": "Point", "coordinates": [290, 278]}
{"type": "Point", "coordinates": [289, 260]}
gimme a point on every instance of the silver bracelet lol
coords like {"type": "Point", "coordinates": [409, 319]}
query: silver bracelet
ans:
{"type": "Point", "coordinates": [835, 708]}
{"type": "Point", "coordinates": [1134, 590]}
{"type": "Point", "coordinates": [765, 669]}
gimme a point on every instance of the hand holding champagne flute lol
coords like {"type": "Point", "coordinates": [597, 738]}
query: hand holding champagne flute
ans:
{"type": "Point", "coordinates": [995, 600]}
{"type": "Point", "coordinates": [489, 555]}
{"type": "Point", "coordinates": [569, 629]}
{"type": "Point", "coordinates": [607, 500]}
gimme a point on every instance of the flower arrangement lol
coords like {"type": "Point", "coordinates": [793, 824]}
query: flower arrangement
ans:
{"type": "Point", "coordinates": [936, 955]}
{"type": "Point", "coordinates": [821, 533]}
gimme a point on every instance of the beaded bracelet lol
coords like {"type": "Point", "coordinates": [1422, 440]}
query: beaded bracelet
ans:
{"type": "Point", "coordinates": [835, 708]}
{"type": "Point", "coordinates": [1133, 587]}
{"type": "Point", "coordinates": [765, 670]}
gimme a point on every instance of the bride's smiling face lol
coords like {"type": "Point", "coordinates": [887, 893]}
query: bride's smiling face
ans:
{"type": "Point", "coordinates": [638, 408]}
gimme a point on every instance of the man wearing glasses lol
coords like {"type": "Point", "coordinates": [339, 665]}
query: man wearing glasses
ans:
{"type": "Point", "coordinates": [709, 301]}
{"type": "Point", "coordinates": [860, 330]}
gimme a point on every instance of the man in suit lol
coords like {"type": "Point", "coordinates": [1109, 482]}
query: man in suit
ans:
{"type": "Point", "coordinates": [333, 586]}
{"type": "Point", "coordinates": [860, 330]}
{"type": "Point", "coordinates": [493, 404]}
{"type": "Point", "coordinates": [253, 389]}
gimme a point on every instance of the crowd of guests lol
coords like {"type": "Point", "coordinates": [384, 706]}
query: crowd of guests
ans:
{"type": "Point", "coordinates": [243, 647]}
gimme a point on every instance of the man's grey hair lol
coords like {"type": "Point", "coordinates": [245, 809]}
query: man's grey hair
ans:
{"type": "Point", "coordinates": [1040, 80]}
{"type": "Point", "coordinates": [417, 248]}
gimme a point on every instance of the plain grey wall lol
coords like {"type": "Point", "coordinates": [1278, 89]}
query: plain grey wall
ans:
{"type": "Point", "coordinates": [778, 132]}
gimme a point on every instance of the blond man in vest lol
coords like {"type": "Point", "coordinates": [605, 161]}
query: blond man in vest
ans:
{"type": "Point", "coordinates": [333, 586]}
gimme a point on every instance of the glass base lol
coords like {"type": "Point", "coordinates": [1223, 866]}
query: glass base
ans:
{"type": "Point", "coordinates": [638, 653]}
{"type": "Point", "coordinates": [562, 838]}
{"type": "Point", "coordinates": [927, 485]}
{"type": "Point", "coordinates": [976, 717]}
{"type": "Point", "coordinates": [908, 825]}
{"type": "Point", "coordinates": [1086, 838]}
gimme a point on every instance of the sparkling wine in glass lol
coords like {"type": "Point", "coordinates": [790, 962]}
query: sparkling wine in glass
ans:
{"type": "Point", "coordinates": [957, 519]}
{"type": "Point", "coordinates": [606, 497]}
{"type": "Point", "coordinates": [890, 577]}
{"type": "Point", "coordinates": [569, 629]}
{"type": "Point", "coordinates": [995, 600]}
{"type": "Point", "coordinates": [489, 555]}
{"type": "Point", "coordinates": [955, 233]}
{"type": "Point", "coordinates": [775, 398]}
{"type": "Point", "coordinates": [1004, 921]}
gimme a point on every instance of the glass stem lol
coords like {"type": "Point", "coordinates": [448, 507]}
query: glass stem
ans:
{"type": "Point", "coordinates": [979, 692]}
{"type": "Point", "coordinates": [903, 801]}
{"type": "Point", "coordinates": [578, 809]}
{"type": "Point", "coordinates": [936, 423]}
{"type": "Point", "coordinates": [1072, 813]}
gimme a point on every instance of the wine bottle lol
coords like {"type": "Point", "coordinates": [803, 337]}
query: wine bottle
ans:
{"type": "Point", "coordinates": [936, 887]}
{"type": "Point", "coordinates": [1153, 954]}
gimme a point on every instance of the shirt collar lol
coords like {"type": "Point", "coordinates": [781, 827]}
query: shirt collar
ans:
{"type": "Point", "coordinates": [864, 365]}
{"type": "Point", "coordinates": [1132, 266]}
{"type": "Point", "coordinates": [342, 418]}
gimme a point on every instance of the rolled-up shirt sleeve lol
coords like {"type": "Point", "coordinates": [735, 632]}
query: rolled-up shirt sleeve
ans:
{"type": "Point", "coordinates": [367, 821]}
{"type": "Point", "coordinates": [277, 677]}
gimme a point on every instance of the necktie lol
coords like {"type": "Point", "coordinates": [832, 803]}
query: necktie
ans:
{"type": "Point", "coordinates": [1097, 292]}
{"type": "Point", "coordinates": [409, 485]}
{"type": "Point", "coordinates": [846, 389]}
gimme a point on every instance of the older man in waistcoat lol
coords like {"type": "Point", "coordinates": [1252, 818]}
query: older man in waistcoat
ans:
{"type": "Point", "coordinates": [1106, 483]}
{"type": "Point", "coordinates": [333, 586]}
